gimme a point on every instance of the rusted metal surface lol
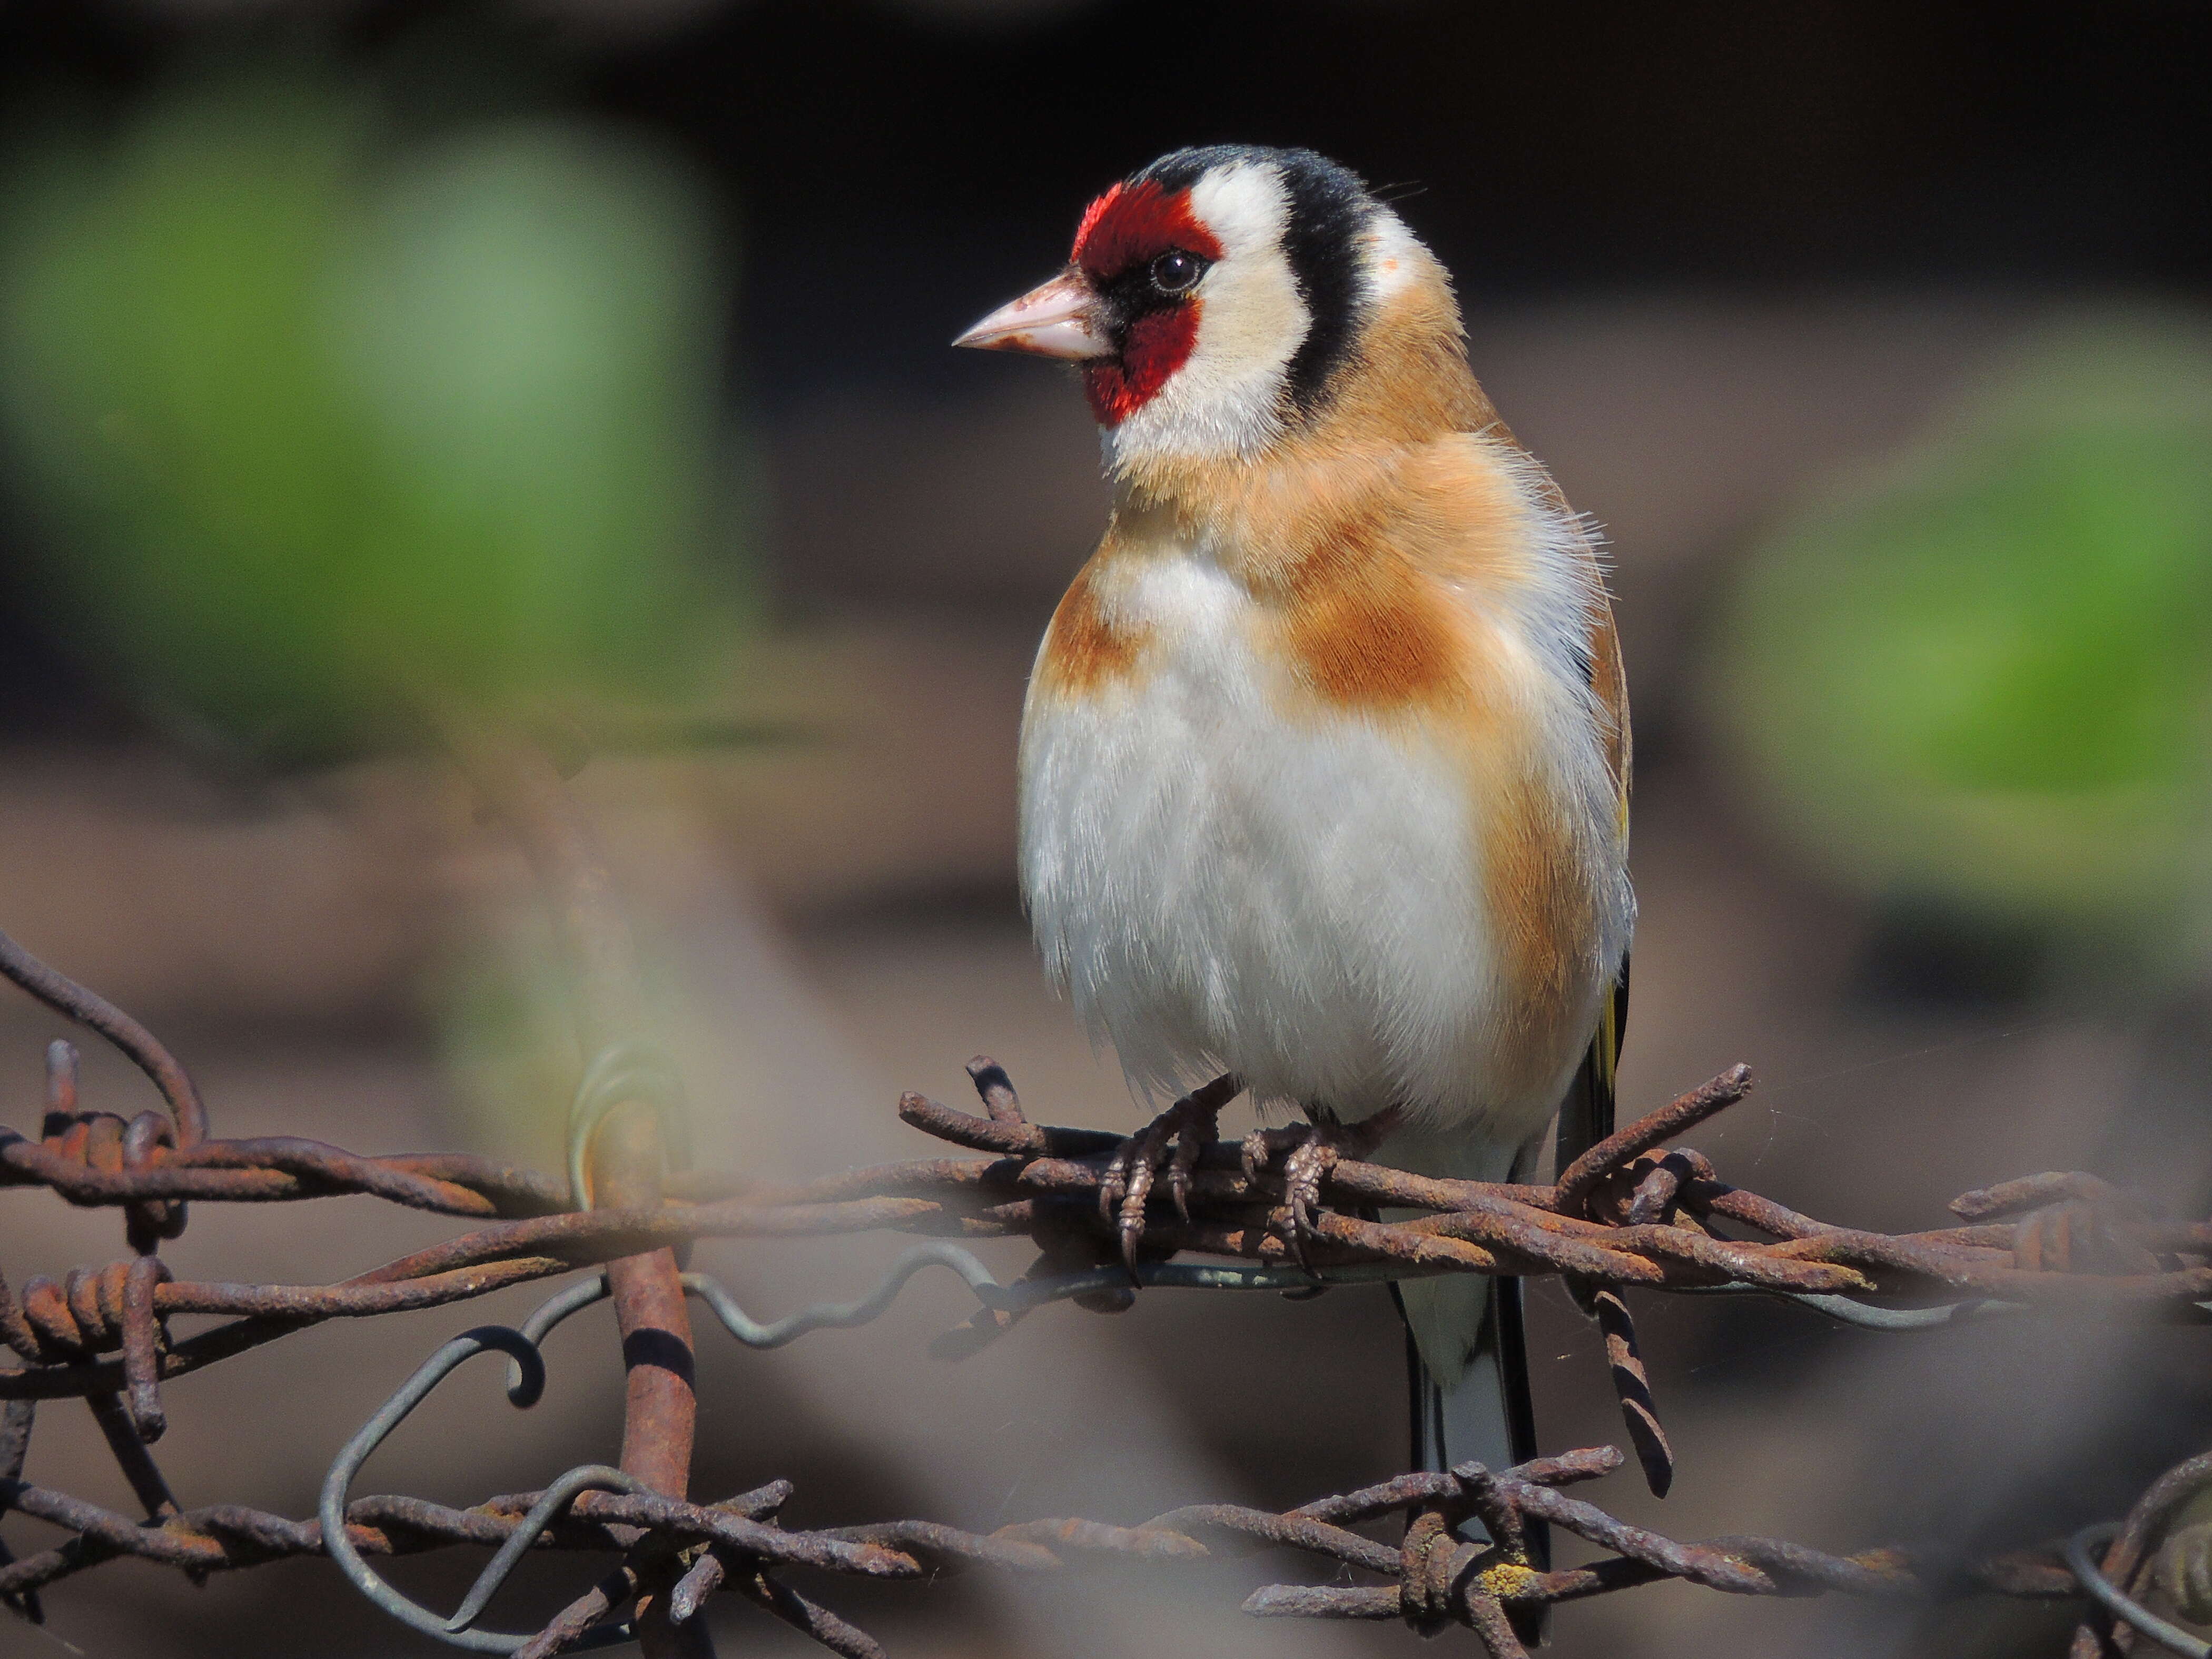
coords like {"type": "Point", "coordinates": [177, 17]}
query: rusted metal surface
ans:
{"type": "Point", "coordinates": [1631, 1386]}
{"type": "Point", "coordinates": [1677, 1117]}
{"type": "Point", "coordinates": [67, 997]}
{"type": "Point", "coordinates": [1440, 1573]}
{"type": "Point", "coordinates": [1495, 1228]}
{"type": "Point", "coordinates": [1110, 1217]}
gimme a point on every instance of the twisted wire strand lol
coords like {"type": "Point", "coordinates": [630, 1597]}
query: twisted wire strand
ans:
{"type": "Point", "coordinates": [1755, 1566]}
{"type": "Point", "coordinates": [1631, 1216]}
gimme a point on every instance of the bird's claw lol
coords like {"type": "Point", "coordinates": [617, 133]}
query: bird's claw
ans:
{"type": "Point", "coordinates": [1304, 1171]}
{"type": "Point", "coordinates": [1257, 1150]}
{"type": "Point", "coordinates": [1311, 1154]}
{"type": "Point", "coordinates": [1172, 1142]}
{"type": "Point", "coordinates": [1312, 1151]}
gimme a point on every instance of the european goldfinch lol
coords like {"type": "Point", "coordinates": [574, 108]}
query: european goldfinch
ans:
{"type": "Point", "coordinates": [1324, 762]}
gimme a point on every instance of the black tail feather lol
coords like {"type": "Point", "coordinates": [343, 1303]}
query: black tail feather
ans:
{"type": "Point", "coordinates": [1507, 1423]}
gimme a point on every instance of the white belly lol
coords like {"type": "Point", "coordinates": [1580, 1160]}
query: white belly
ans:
{"type": "Point", "coordinates": [1223, 888]}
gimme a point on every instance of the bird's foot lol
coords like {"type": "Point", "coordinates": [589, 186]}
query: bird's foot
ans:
{"type": "Point", "coordinates": [1311, 1150]}
{"type": "Point", "coordinates": [1172, 1142]}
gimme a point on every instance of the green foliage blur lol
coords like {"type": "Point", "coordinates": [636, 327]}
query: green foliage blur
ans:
{"type": "Point", "coordinates": [1982, 677]}
{"type": "Point", "coordinates": [323, 420]}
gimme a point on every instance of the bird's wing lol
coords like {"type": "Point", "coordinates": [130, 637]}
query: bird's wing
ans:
{"type": "Point", "coordinates": [1586, 1116]}
{"type": "Point", "coordinates": [1608, 678]}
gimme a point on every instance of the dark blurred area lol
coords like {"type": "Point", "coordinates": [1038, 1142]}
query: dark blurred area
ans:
{"type": "Point", "coordinates": [601, 346]}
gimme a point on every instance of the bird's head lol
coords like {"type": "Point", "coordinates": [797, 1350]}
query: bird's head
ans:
{"type": "Point", "coordinates": [1217, 300]}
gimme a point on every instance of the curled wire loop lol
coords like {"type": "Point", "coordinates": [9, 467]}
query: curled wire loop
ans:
{"type": "Point", "coordinates": [775, 1334]}
{"type": "Point", "coordinates": [586, 1477]}
{"type": "Point", "coordinates": [525, 1392]}
{"type": "Point", "coordinates": [525, 1385]}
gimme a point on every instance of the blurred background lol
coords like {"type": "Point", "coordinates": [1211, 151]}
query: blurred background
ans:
{"type": "Point", "coordinates": [587, 357]}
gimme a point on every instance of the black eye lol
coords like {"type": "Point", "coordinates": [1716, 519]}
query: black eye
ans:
{"type": "Point", "coordinates": [1176, 271]}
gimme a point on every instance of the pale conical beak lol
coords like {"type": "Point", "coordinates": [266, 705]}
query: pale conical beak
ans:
{"type": "Point", "coordinates": [1060, 319]}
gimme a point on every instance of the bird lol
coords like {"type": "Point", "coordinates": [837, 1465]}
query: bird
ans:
{"type": "Point", "coordinates": [1324, 760]}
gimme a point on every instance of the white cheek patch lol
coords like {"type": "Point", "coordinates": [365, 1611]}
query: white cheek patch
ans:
{"type": "Point", "coordinates": [1227, 398]}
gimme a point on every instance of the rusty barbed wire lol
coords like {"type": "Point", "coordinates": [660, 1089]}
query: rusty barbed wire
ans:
{"type": "Point", "coordinates": [736, 1543]}
{"type": "Point", "coordinates": [1109, 1216]}
{"type": "Point", "coordinates": [56, 1328]}
{"type": "Point", "coordinates": [88, 1007]}
{"type": "Point", "coordinates": [1044, 1187]}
